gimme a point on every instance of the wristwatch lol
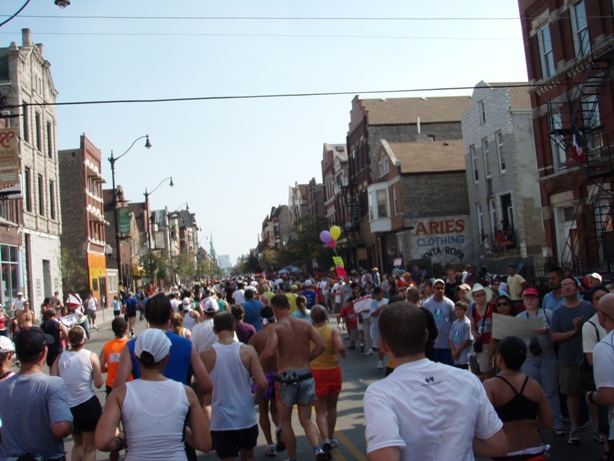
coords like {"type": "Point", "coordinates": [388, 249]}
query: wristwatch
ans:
{"type": "Point", "coordinates": [589, 397]}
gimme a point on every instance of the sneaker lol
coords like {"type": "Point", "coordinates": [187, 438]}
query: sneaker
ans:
{"type": "Point", "coordinates": [380, 365]}
{"type": "Point", "coordinates": [281, 446]}
{"type": "Point", "coordinates": [585, 424]}
{"type": "Point", "coordinates": [132, 333]}
{"type": "Point", "coordinates": [114, 456]}
{"type": "Point", "coordinates": [327, 446]}
{"type": "Point", "coordinates": [598, 436]}
{"type": "Point", "coordinates": [559, 431]}
{"type": "Point", "coordinates": [574, 438]}
{"type": "Point", "coordinates": [333, 442]}
{"type": "Point", "coordinates": [361, 348]}
{"type": "Point", "coordinates": [369, 352]}
{"type": "Point", "coordinates": [270, 450]}
{"type": "Point", "coordinates": [321, 455]}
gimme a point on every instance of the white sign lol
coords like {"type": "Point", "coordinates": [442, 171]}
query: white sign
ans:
{"type": "Point", "coordinates": [362, 304]}
{"type": "Point", "coordinates": [504, 325]}
{"type": "Point", "coordinates": [442, 240]}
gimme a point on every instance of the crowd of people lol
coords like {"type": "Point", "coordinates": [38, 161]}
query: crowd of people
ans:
{"type": "Point", "coordinates": [241, 353]}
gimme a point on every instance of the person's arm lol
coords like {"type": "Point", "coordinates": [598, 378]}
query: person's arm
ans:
{"type": "Point", "coordinates": [558, 337]}
{"type": "Point", "coordinates": [103, 362]}
{"type": "Point", "coordinates": [106, 437]}
{"type": "Point", "coordinates": [385, 454]}
{"type": "Point", "coordinates": [197, 434]}
{"type": "Point", "coordinates": [255, 369]}
{"type": "Point", "coordinates": [604, 396]}
{"type": "Point", "coordinates": [492, 447]}
{"type": "Point", "coordinates": [544, 415]}
{"type": "Point", "coordinates": [62, 429]}
{"type": "Point", "coordinates": [464, 345]}
{"type": "Point", "coordinates": [96, 370]}
{"type": "Point", "coordinates": [271, 344]}
{"type": "Point", "coordinates": [338, 343]}
{"type": "Point", "coordinates": [124, 368]}
{"type": "Point", "coordinates": [318, 340]}
{"type": "Point", "coordinates": [203, 380]}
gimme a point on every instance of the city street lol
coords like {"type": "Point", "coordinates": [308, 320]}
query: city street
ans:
{"type": "Point", "coordinates": [358, 372]}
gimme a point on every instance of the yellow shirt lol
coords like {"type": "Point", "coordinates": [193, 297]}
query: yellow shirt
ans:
{"type": "Point", "coordinates": [292, 301]}
{"type": "Point", "coordinates": [328, 358]}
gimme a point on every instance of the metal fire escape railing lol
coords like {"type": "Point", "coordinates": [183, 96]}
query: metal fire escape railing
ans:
{"type": "Point", "coordinates": [575, 122]}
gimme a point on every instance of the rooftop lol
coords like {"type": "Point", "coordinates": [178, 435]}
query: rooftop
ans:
{"type": "Point", "coordinates": [430, 157]}
{"type": "Point", "coordinates": [402, 111]}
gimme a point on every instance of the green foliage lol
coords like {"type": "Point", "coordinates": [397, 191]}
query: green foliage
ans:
{"type": "Point", "coordinates": [304, 244]}
{"type": "Point", "coordinates": [154, 265]}
{"type": "Point", "coordinates": [74, 275]}
{"type": "Point", "coordinates": [185, 266]}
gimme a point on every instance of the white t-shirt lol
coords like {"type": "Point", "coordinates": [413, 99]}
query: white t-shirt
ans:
{"type": "Point", "coordinates": [589, 334]}
{"type": "Point", "coordinates": [91, 303]}
{"type": "Point", "coordinates": [323, 286]}
{"type": "Point", "coordinates": [175, 304]}
{"type": "Point", "coordinates": [420, 428]}
{"type": "Point", "coordinates": [203, 336]}
{"type": "Point", "coordinates": [375, 305]}
{"type": "Point", "coordinates": [603, 370]}
{"type": "Point", "coordinates": [18, 304]}
{"type": "Point", "coordinates": [337, 292]}
{"type": "Point", "coordinates": [239, 296]}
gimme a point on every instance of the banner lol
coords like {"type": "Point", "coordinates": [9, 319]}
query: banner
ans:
{"type": "Point", "coordinates": [123, 220]}
{"type": "Point", "coordinates": [11, 191]}
{"type": "Point", "coordinates": [9, 157]}
{"type": "Point", "coordinates": [338, 260]}
{"type": "Point", "coordinates": [341, 272]}
{"type": "Point", "coordinates": [362, 304]}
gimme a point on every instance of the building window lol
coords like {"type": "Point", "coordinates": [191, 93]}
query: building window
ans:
{"type": "Point", "coordinates": [383, 166]}
{"type": "Point", "coordinates": [474, 162]}
{"type": "Point", "coordinates": [493, 216]}
{"type": "Point", "coordinates": [579, 24]}
{"type": "Point", "coordinates": [37, 121]}
{"type": "Point", "coordinates": [486, 157]}
{"type": "Point", "coordinates": [545, 51]}
{"type": "Point", "coordinates": [51, 200]}
{"type": "Point", "coordinates": [26, 123]}
{"type": "Point", "coordinates": [49, 141]}
{"type": "Point", "coordinates": [557, 142]}
{"type": "Point", "coordinates": [9, 256]}
{"type": "Point", "coordinates": [27, 186]}
{"type": "Point", "coordinates": [371, 214]}
{"type": "Point", "coordinates": [478, 209]}
{"type": "Point", "coordinates": [41, 196]}
{"type": "Point", "coordinates": [482, 108]}
{"type": "Point", "coordinates": [394, 200]}
{"type": "Point", "coordinates": [382, 203]}
{"type": "Point", "coordinates": [500, 151]}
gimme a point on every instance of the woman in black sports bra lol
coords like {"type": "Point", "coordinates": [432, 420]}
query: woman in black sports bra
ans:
{"type": "Point", "coordinates": [520, 402]}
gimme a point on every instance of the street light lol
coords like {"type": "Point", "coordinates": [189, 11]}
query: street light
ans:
{"type": "Point", "coordinates": [112, 161]}
{"type": "Point", "coordinates": [147, 194]}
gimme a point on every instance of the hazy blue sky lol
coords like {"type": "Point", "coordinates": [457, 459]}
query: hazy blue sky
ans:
{"type": "Point", "coordinates": [231, 160]}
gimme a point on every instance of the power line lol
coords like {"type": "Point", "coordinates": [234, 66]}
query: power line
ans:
{"type": "Point", "coordinates": [271, 96]}
{"type": "Point", "coordinates": [170, 34]}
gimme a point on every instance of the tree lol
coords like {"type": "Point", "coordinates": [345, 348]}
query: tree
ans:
{"type": "Point", "coordinates": [185, 269]}
{"type": "Point", "coordinates": [74, 276]}
{"type": "Point", "coordinates": [304, 245]}
{"type": "Point", "coordinates": [154, 265]}
{"type": "Point", "coordinates": [269, 259]}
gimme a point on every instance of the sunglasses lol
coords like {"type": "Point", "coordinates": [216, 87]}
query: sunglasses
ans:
{"type": "Point", "coordinates": [502, 304]}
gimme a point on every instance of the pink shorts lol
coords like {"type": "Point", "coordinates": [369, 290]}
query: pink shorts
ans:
{"type": "Point", "coordinates": [328, 381]}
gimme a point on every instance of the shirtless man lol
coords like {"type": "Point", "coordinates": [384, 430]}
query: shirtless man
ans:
{"type": "Point", "coordinates": [290, 338]}
{"type": "Point", "coordinates": [25, 317]}
{"type": "Point", "coordinates": [267, 401]}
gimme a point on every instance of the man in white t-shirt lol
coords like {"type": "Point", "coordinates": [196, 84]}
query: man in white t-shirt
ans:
{"type": "Point", "coordinates": [239, 294]}
{"type": "Point", "coordinates": [448, 415]}
{"type": "Point", "coordinates": [203, 336]}
{"type": "Point", "coordinates": [603, 361]}
{"type": "Point", "coordinates": [375, 310]}
{"type": "Point", "coordinates": [174, 302]}
{"type": "Point", "coordinates": [17, 303]}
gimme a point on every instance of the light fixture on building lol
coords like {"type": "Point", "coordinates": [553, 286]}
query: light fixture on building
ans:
{"type": "Point", "coordinates": [108, 250]}
{"type": "Point", "coordinates": [62, 3]}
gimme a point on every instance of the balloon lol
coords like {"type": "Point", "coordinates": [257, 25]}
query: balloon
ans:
{"type": "Point", "coordinates": [325, 237]}
{"type": "Point", "coordinates": [335, 232]}
{"type": "Point", "coordinates": [332, 243]}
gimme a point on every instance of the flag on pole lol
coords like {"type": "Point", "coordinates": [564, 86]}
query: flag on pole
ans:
{"type": "Point", "coordinates": [579, 143]}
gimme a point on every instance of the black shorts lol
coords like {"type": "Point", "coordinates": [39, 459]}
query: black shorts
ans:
{"type": "Point", "coordinates": [227, 444]}
{"type": "Point", "coordinates": [86, 416]}
{"type": "Point", "coordinates": [130, 314]}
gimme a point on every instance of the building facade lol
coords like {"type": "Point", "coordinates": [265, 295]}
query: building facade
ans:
{"type": "Point", "coordinates": [335, 179]}
{"type": "Point", "coordinates": [570, 54]}
{"type": "Point", "coordinates": [84, 236]}
{"type": "Point", "coordinates": [501, 172]}
{"type": "Point", "coordinates": [31, 249]}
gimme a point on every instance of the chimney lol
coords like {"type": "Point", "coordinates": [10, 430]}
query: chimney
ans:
{"type": "Point", "coordinates": [26, 37]}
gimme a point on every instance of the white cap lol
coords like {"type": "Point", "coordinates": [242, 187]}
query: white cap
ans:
{"type": "Point", "coordinates": [19, 293]}
{"type": "Point", "coordinates": [6, 345]}
{"type": "Point", "coordinates": [596, 276]}
{"type": "Point", "coordinates": [210, 306]}
{"type": "Point", "coordinates": [308, 283]}
{"type": "Point", "coordinates": [187, 302]}
{"type": "Point", "coordinates": [153, 341]}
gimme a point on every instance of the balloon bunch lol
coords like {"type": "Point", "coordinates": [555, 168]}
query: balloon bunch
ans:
{"type": "Point", "coordinates": [330, 237]}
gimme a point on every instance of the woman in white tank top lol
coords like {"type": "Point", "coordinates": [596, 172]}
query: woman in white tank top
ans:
{"type": "Point", "coordinates": [140, 402]}
{"type": "Point", "coordinates": [79, 368]}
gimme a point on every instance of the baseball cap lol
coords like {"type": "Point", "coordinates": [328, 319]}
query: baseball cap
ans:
{"type": "Point", "coordinates": [31, 341]}
{"type": "Point", "coordinates": [153, 341]}
{"type": "Point", "coordinates": [6, 345]}
{"type": "Point", "coordinates": [530, 292]}
{"type": "Point", "coordinates": [186, 302]}
{"type": "Point", "coordinates": [595, 275]}
{"type": "Point", "coordinates": [20, 293]}
{"type": "Point", "coordinates": [210, 306]}
{"type": "Point", "coordinates": [439, 281]}
{"type": "Point", "coordinates": [308, 283]}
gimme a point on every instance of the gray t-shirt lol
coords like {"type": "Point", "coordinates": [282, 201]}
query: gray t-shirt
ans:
{"type": "Point", "coordinates": [459, 333]}
{"type": "Point", "coordinates": [546, 345]}
{"type": "Point", "coordinates": [443, 312]}
{"type": "Point", "coordinates": [570, 351]}
{"type": "Point", "coordinates": [31, 404]}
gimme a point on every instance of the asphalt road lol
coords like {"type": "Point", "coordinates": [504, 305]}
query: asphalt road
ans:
{"type": "Point", "coordinates": [358, 372]}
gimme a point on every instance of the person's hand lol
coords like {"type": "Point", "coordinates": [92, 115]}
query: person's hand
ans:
{"type": "Point", "coordinates": [577, 324]}
{"type": "Point", "coordinates": [543, 331]}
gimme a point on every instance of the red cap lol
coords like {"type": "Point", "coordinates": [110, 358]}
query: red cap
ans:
{"type": "Point", "coordinates": [530, 292]}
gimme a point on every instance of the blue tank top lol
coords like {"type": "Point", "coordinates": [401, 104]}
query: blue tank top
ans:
{"type": "Point", "coordinates": [179, 367]}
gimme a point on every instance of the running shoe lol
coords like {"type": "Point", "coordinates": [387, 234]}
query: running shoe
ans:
{"type": "Point", "coordinates": [361, 348]}
{"type": "Point", "coordinates": [598, 436]}
{"type": "Point", "coordinates": [333, 442]}
{"type": "Point", "coordinates": [380, 365]}
{"type": "Point", "coordinates": [369, 352]}
{"type": "Point", "coordinates": [321, 455]}
{"type": "Point", "coordinates": [270, 450]}
{"type": "Point", "coordinates": [574, 438]}
{"type": "Point", "coordinates": [327, 446]}
{"type": "Point", "coordinates": [281, 446]}
{"type": "Point", "coordinates": [559, 431]}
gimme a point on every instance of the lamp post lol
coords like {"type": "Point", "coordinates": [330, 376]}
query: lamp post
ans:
{"type": "Point", "coordinates": [148, 219]}
{"type": "Point", "coordinates": [112, 161]}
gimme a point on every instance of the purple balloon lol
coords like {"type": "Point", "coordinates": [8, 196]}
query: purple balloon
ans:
{"type": "Point", "coordinates": [325, 237]}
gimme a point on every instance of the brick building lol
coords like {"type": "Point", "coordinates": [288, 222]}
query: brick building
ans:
{"type": "Point", "coordinates": [397, 120]}
{"type": "Point", "coordinates": [501, 175]}
{"type": "Point", "coordinates": [30, 240]}
{"type": "Point", "coordinates": [418, 209]}
{"type": "Point", "coordinates": [569, 53]}
{"type": "Point", "coordinates": [335, 178]}
{"type": "Point", "coordinates": [83, 234]}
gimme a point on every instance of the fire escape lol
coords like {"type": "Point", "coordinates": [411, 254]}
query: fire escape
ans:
{"type": "Point", "coordinates": [351, 196]}
{"type": "Point", "coordinates": [575, 127]}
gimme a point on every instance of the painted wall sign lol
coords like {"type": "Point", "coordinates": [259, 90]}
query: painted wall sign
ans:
{"type": "Point", "coordinates": [442, 239]}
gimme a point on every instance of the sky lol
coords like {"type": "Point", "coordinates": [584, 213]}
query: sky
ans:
{"type": "Point", "coordinates": [232, 160]}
